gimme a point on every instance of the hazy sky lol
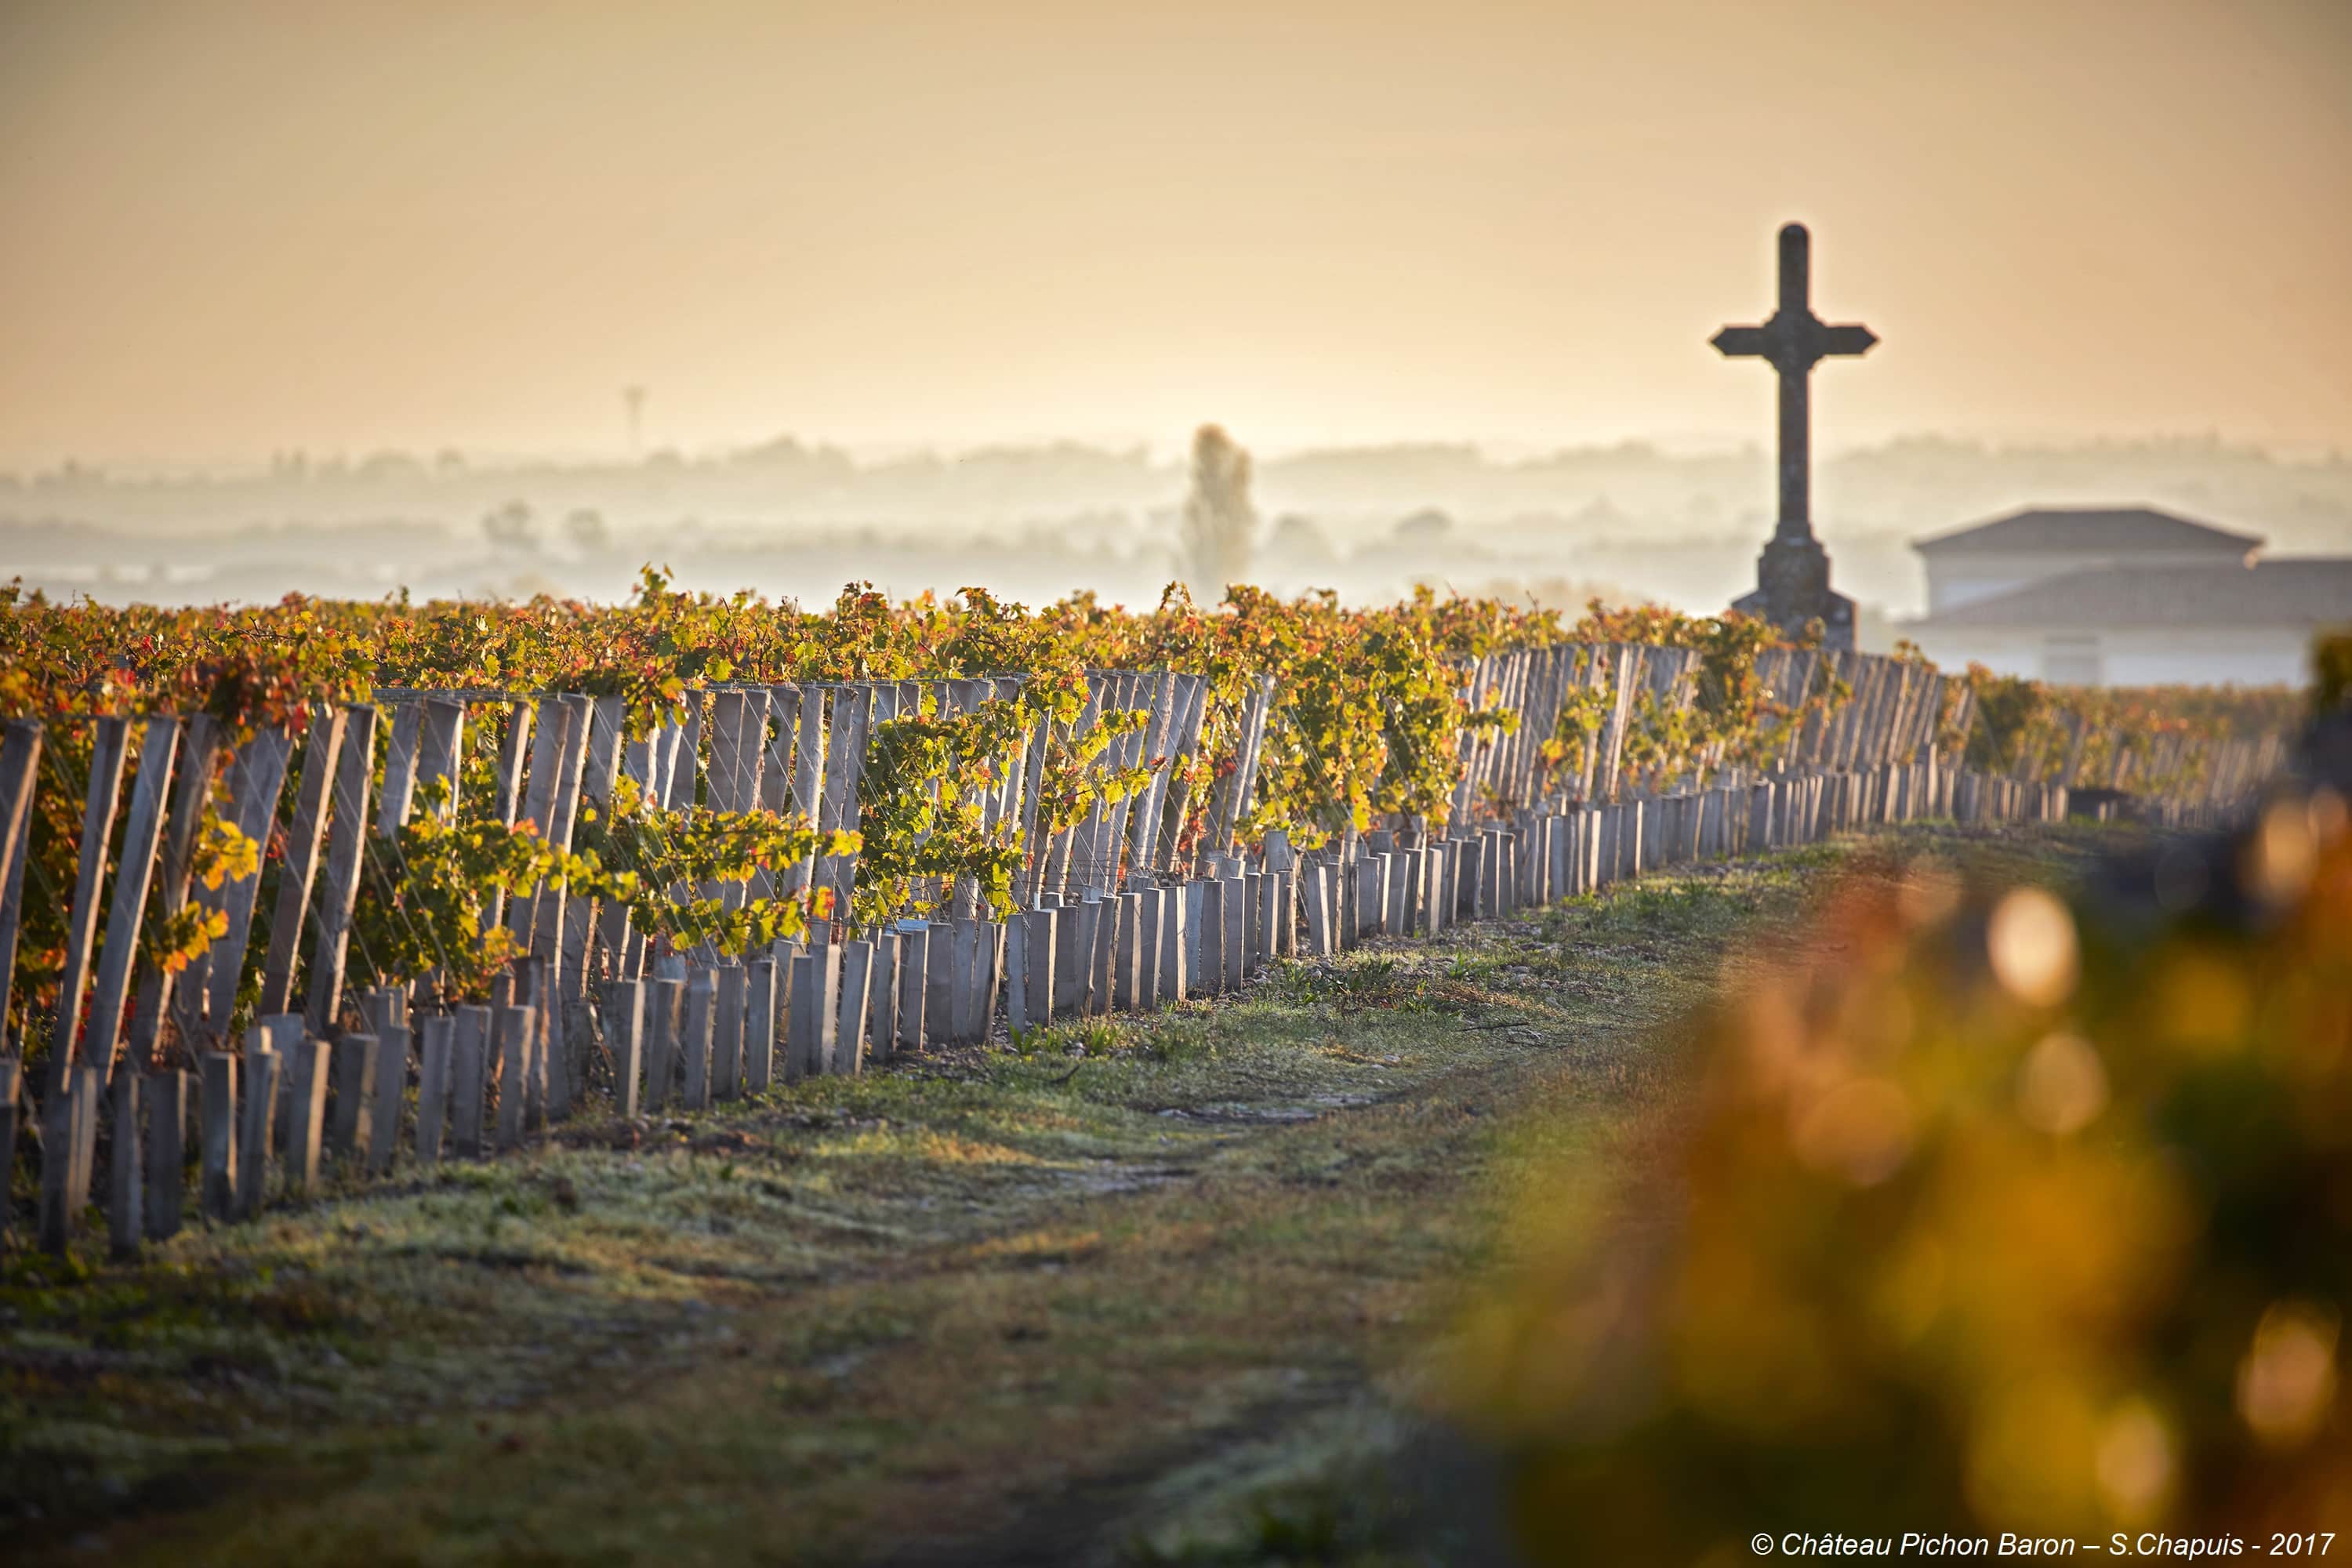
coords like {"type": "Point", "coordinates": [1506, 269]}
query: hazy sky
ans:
{"type": "Point", "coordinates": [235, 228]}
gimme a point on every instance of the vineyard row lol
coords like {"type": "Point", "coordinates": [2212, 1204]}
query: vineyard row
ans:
{"type": "Point", "coordinates": [578, 890]}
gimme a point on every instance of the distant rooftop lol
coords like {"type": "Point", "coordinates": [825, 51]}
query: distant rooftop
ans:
{"type": "Point", "coordinates": [2071, 529]}
{"type": "Point", "coordinates": [2313, 591]}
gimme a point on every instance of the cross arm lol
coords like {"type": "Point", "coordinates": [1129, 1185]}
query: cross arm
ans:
{"type": "Point", "coordinates": [1847, 340]}
{"type": "Point", "coordinates": [1736, 342]}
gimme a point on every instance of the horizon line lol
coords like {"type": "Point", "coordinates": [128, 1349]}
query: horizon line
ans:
{"type": "Point", "coordinates": [1492, 451]}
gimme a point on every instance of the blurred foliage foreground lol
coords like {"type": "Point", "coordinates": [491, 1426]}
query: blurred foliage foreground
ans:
{"type": "Point", "coordinates": [1992, 1209]}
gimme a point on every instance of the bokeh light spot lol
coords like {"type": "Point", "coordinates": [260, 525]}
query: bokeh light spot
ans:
{"type": "Point", "coordinates": [2062, 1085]}
{"type": "Point", "coordinates": [2030, 942]}
{"type": "Point", "coordinates": [2135, 1463]}
{"type": "Point", "coordinates": [2276, 864]}
{"type": "Point", "coordinates": [2287, 1381]}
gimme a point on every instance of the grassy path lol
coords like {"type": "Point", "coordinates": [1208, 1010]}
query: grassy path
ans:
{"type": "Point", "coordinates": [1098, 1301]}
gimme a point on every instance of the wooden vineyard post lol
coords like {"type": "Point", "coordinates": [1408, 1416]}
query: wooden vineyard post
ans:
{"type": "Point", "coordinates": [1172, 944]}
{"type": "Point", "coordinates": [399, 769]}
{"type": "Point", "coordinates": [739, 720]}
{"type": "Point", "coordinates": [434, 1060]}
{"type": "Point", "coordinates": [541, 1086]}
{"type": "Point", "coordinates": [306, 1100]}
{"type": "Point", "coordinates": [66, 1151]}
{"type": "Point", "coordinates": [695, 1042]}
{"type": "Point", "coordinates": [1099, 960]}
{"type": "Point", "coordinates": [440, 746]}
{"type": "Point", "coordinates": [1236, 932]}
{"type": "Point", "coordinates": [109, 740]}
{"type": "Point", "coordinates": [513, 748]}
{"type": "Point", "coordinates": [1127, 948]}
{"type": "Point", "coordinates": [1016, 973]}
{"type": "Point", "coordinates": [300, 863]}
{"type": "Point", "coordinates": [1133, 825]}
{"type": "Point", "coordinates": [280, 1032]}
{"type": "Point", "coordinates": [1149, 907]}
{"type": "Point", "coordinates": [666, 1001]}
{"type": "Point", "coordinates": [351, 1133]}
{"type": "Point", "coordinates": [732, 984]}
{"type": "Point", "coordinates": [760, 1021]}
{"type": "Point", "coordinates": [816, 975]}
{"type": "Point", "coordinates": [388, 1086]}
{"type": "Point", "coordinates": [11, 1091]}
{"type": "Point", "coordinates": [166, 1095]}
{"type": "Point", "coordinates": [808, 785]}
{"type": "Point", "coordinates": [882, 998]}
{"type": "Point", "coordinates": [205, 1000]}
{"type": "Point", "coordinates": [20, 761]}
{"type": "Point", "coordinates": [625, 1020]}
{"type": "Point", "coordinates": [1210, 934]}
{"type": "Point", "coordinates": [512, 1027]}
{"type": "Point", "coordinates": [845, 760]}
{"type": "Point", "coordinates": [849, 1028]}
{"type": "Point", "coordinates": [252, 1152]}
{"type": "Point", "coordinates": [553, 1040]}
{"type": "Point", "coordinates": [355, 761]}
{"type": "Point", "coordinates": [468, 1080]}
{"type": "Point", "coordinates": [216, 1191]}
{"type": "Point", "coordinates": [914, 955]}
{"type": "Point", "coordinates": [1073, 959]}
{"type": "Point", "coordinates": [142, 837]}
{"type": "Point", "coordinates": [572, 1030]}
{"type": "Point", "coordinates": [1029, 880]}
{"type": "Point", "coordinates": [200, 746]}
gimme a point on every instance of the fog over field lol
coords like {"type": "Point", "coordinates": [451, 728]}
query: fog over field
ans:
{"type": "Point", "coordinates": [523, 298]}
{"type": "Point", "coordinates": [797, 518]}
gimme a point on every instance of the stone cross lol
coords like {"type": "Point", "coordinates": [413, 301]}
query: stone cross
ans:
{"type": "Point", "coordinates": [1794, 573]}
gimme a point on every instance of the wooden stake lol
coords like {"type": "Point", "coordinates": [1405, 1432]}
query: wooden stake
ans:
{"type": "Point", "coordinates": [469, 1053]}
{"type": "Point", "coordinates": [64, 1149]}
{"type": "Point", "coordinates": [306, 1101]}
{"type": "Point", "coordinates": [388, 1084]}
{"type": "Point", "coordinates": [109, 740]}
{"type": "Point", "coordinates": [760, 1025]}
{"type": "Point", "coordinates": [206, 997]}
{"type": "Point", "coordinates": [12, 1081]}
{"type": "Point", "coordinates": [216, 1193]}
{"type": "Point", "coordinates": [295, 872]}
{"type": "Point", "coordinates": [436, 1058]}
{"type": "Point", "coordinates": [261, 1072]}
{"type": "Point", "coordinates": [695, 1042]}
{"type": "Point", "coordinates": [1148, 907]}
{"type": "Point", "coordinates": [667, 1002]}
{"type": "Point", "coordinates": [126, 1228]}
{"type": "Point", "coordinates": [625, 1033]}
{"type": "Point", "coordinates": [882, 999]}
{"type": "Point", "coordinates": [200, 746]}
{"type": "Point", "coordinates": [512, 1041]}
{"type": "Point", "coordinates": [355, 761]}
{"type": "Point", "coordinates": [142, 837]}
{"type": "Point", "coordinates": [20, 762]}
{"type": "Point", "coordinates": [849, 1031]}
{"type": "Point", "coordinates": [1211, 936]}
{"type": "Point", "coordinates": [914, 959]}
{"type": "Point", "coordinates": [350, 1133]}
{"type": "Point", "coordinates": [166, 1093]}
{"type": "Point", "coordinates": [816, 975]}
{"type": "Point", "coordinates": [731, 986]}
{"type": "Point", "coordinates": [1236, 932]}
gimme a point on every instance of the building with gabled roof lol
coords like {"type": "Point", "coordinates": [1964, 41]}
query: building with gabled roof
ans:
{"type": "Point", "coordinates": [2125, 597]}
{"type": "Point", "coordinates": [2029, 546]}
